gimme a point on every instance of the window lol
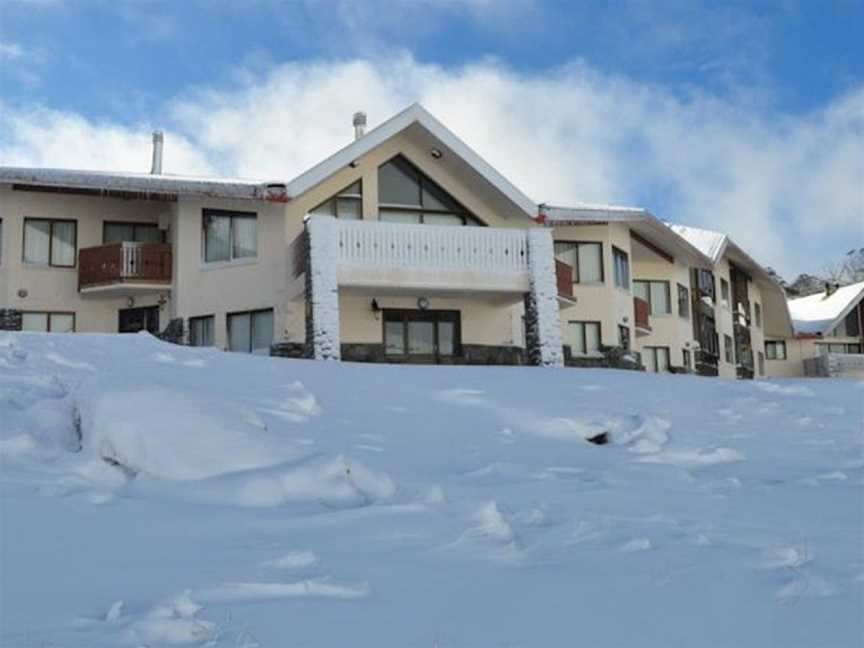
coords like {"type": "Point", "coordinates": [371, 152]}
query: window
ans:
{"type": "Point", "coordinates": [685, 359]}
{"type": "Point", "coordinates": [683, 302]}
{"type": "Point", "coordinates": [50, 242]}
{"type": "Point", "coordinates": [724, 292]}
{"type": "Point", "coordinates": [728, 349]}
{"type": "Point", "coordinates": [48, 322]}
{"type": "Point", "coordinates": [347, 204]}
{"type": "Point", "coordinates": [775, 350]}
{"type": "Point", "coordinates": [250, 332]}
{"type": "Point", "coordinates": [421, 333]}
{"type": "Point", "coordinates": [705, 283]}
{"type": "Point", "coordinates": [757, 314]}
{"type": "Point", "coordinates": [760, 360]}
{"type": "Point", "coordinates": [622, 268]}
{"type": "Point", "coordinates": [134, 232]}
{"type": "Point", "coordinates": [584, 337]}
{"type": "Point", "coordinates": [201, 330]}
{"type": "Point", "coordinates": [838, 348]}
{"type": "Point", "coordinates": [586, 259]}
{"type": "Point", "coordinates": [849, 327]}
{"type": "Point", "coordinates": [655, 359]}
{"type": "Point", "coordinates": [624, 337]}
{"type": "Point", "coordinates": [229, 235]}
{"type": "Point", "coordinates": [656, 293]}
{"type": "Point", "coordinates": [406, 195]}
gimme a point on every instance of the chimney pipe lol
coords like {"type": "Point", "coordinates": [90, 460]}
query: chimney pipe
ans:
{"type": "Point", "coordinates": [156, 167]}
{"type": "Point", "coordinates": [359, 124]}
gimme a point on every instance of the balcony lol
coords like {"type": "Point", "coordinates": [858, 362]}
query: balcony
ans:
{"type": "Point", "coordinates": [400, 258]}
{"type": "Point", "coordinates": [124, 269]}
{"type": "Point", "coordinates": [641, 312]}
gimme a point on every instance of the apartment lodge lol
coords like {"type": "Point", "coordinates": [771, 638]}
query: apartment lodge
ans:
{"type": "Point", "coordinates": [404, 246]}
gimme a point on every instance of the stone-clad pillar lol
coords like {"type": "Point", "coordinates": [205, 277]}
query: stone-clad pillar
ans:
{"type": "Point", "coordinates": [10, 319]}
{"type": "Point", "coordinates": [322, 289]}
{"type": "Point", "coordinates": [542, 321]}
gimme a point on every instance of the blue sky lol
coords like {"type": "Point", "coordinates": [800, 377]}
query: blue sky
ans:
{"type": "Point", "coordinates": [714, 115]}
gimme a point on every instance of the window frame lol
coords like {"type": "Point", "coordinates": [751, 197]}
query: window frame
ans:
{"type": "Point", "coordinates": [728, 349]}
{"type": "Point", "coordinates": [250, 313]}
{"type": "Point", "coordinates": [50, 263]}
{"type": "Point", "coordinates": [757, 314]}
{"type": "Point", "coordinates": [649, 295]}
{"type": "Point", "coordinates": [586, 352]}
{"type": "Point", "coordinates": [725, 293]}
{"type": "Point", "coordinates": [686, 359]}
{"type": "Point", "coordinates": [134, 225]}
{"type": "Point", "coordinates": [202, 318]}
{"type": "Point", "coordinates": [461, 211]}
{"type": "Point", "coordinates": [437, 316]}
{"type": "Point", "coordinates": [576, 245]}
{"type": "Point", "coordinates": [618, 252]}
{"type": "Point", "coordinates": [771, 347]}
{"type": "Point", "coordinates": [683, 291]}
{"type": "Point", "coordinates": [232, 215]}
{"type": "Point", "coordinates": [653, 350]}
{"type": "Point", "coordinates": [358, 197]}
{"type": "Point", "coordinates": [50, 314]}
{"type": "Point", "coordinates": [624, 340]}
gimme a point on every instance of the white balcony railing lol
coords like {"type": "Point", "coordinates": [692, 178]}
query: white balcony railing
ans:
{"type": "Point", "coordinates": [433, 246]}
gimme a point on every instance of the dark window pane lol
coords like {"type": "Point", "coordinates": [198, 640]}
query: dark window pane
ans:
{"type": "Point", "coordinates": [117, 232]}
{"type": "Point", "coordinates": [394, 337]}
{"type": "Point", "coordinates": [398, 184]}
{"type": "Point", "coordinates": [446, 338]}
{"type": "Point", "coordinates": [421, 337]}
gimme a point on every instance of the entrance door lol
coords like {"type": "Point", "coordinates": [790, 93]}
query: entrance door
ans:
{"type": "Point", "coordinates": [421, 337]}
{"type": "Point", "coordinates": [132, 320]}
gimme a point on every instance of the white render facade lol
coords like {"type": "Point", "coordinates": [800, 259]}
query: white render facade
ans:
{"type": "Point", "coordinates": [405, 246]}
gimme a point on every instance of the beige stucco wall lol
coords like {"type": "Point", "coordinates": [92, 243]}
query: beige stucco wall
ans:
{"type": "Point", "coordinates": [670, 330]}
{"type": "Point", "coordinates": [793, 365]}
{"type": "Point", "coordinates": [599, 302]}
{"type": "Point", "coordinates": [56, 289]}
{"type": "Point", "coordinates": [220, 288]}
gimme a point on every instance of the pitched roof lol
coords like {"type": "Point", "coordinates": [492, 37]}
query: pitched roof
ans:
{"type": "Point", "coordinates": [644, 222]}
{"type": "Point", "coordinates": [413, 114]}
{"type": "Point", "coordinates": [710, 243]}
{"type": "Point", "coordinates": [146, 183]}
{"type": "Point", "coordinates": [820, 313]}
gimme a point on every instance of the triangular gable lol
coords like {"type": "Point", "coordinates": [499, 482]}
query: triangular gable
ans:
{"type": "Point", "coordinates": [414, 114]}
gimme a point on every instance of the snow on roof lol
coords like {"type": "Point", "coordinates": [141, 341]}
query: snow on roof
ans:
{"type": "Point", "coordinates": [146, 183]}
{"type": "Point", "coordinates": [586, 212]}
{"type": "Point", "coordinates": [820, 313]}
{"type": "Point", "coordinates": [415, 113]}
{"type": "Point", "coordinates": [709, 242]}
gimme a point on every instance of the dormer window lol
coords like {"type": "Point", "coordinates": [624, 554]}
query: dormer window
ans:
{"type": "Point", "coordinates": [407, 195]}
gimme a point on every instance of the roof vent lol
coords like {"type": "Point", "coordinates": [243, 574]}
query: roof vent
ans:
{"type": "Point", "coordinates": [156, 167]}
{"type": "Point", "coordinates": [831, 288]}
{"type": "Point", "coordinates": [359, 124]}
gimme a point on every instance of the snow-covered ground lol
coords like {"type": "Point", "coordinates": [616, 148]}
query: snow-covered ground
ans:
{"type": "Point", "coordinates": [155, 495]}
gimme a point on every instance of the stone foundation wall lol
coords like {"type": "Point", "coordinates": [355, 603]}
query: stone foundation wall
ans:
{"type": "Point", "coordinates": [289, 350]}
{"type": "Point", "coordinates": [472, 354]}
{"type": "Point", "coordinates": [174, 332]}
{"type": "Point", "coordinates": [10, 319]}
{"type": "Point", "coordinates": [612, 358]}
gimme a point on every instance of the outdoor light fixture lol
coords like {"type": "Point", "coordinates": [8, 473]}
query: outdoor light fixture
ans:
{"type": "Point", "coordinates": [375, 306]}
{"type": "Point", "coordinates": [423, 303]}
{"type": "Point", "coordinates": [436, 153]}
{"type": "Point", "coordinates": [130, 302]}
{"type": "Point", "coordinates": [23, 293]}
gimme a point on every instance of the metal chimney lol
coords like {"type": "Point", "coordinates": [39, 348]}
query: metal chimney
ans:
{"type": "Point", "coordinates": [359, 124]}
{"type": "Point", "coordinates": [156, 167]}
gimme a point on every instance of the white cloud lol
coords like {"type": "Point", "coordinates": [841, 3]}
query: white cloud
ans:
{"type": "Point", "coordinates": [788, 188]}
{"type": "Point", "coordinates": [10, 51]}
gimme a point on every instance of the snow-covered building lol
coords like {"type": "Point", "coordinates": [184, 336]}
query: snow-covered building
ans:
{"type": "Point", "coordinates": [404, 246]}
{"type": "Point", "coordinates": [737, 305]}
{"type": "Point", "coordinates": [828, 335]}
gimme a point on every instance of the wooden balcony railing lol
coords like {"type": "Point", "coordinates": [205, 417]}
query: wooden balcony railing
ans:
{"type": "Point", "coordinates": [641, 311]}
{"type": "Point", "coordinates": [124, 262]}
{"type": "Point", "coordinates": [564, 278]}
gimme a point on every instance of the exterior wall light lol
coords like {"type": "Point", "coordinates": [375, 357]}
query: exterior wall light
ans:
{"type": "Point", "coordinates": [423, 303]}
{"type": "Point", "coordinates": [436, 153]}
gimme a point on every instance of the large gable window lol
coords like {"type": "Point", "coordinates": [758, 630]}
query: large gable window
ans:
{"type": "Point", "coordinates": [347, 204]}
{"type": "Point", "coordinates": [406, 195]}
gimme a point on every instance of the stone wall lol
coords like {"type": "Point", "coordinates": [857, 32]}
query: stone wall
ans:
{"type": "Point", "coordinates": [835, 365]}
{"type": "Point", "coordinates": [10, 319]}
{"type": "Point", "coordinates": [611, 358]}
{"type": "Point", "coordinates": [174, 332]}
{"type": "Point", "coordinates": [472, 354]}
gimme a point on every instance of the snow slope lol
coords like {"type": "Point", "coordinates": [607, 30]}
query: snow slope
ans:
{"type": "Point", "coordinates": [155, 495]}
